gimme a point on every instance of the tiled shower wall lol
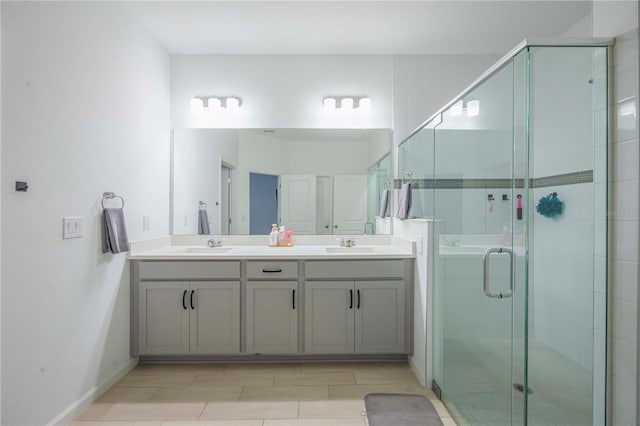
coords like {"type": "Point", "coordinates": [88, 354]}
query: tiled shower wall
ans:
{"type": "Point", "coordinates": [620, 19]}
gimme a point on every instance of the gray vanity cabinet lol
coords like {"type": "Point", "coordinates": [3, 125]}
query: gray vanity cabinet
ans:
{"type": "Point", "coordinates": [354, 316]}
{"type": "Point", "coordinates": [379, 316]}
{"type": "Point", "coordinates": [163, 318]}
{"type": "Point", "coordinates": [272, 317]}
{"type": "Point", "coordinates": [178, 318]}
{"type": "Point", "coordinates": [214, 317]}
{"type": "Point", "coordinates": [185, 308]}
{"type": "Point", "coordinates": [358, 306]}
{"type": "Point", "coordinates": [328, 317]}
{"type": "Point", "coordinates": [220, 309]}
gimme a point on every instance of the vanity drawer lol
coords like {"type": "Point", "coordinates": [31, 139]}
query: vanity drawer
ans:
{"type": "Point", "coordinates": [188, 270]}
{"type": "Point", "coordinates": [354, 269]}
{"type": "Point", "coordinates": [275, 269]}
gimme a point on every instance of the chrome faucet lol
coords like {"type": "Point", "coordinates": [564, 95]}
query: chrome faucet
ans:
{"type": "Point", "coordinates": [348, 242]}
{"type": "Point", "coordinates": [214, 243]}
{"type": "Point", "coordinates": [451, 242]}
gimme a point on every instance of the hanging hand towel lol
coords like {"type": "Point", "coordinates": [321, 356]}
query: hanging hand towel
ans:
{"type": "Point", "coordinates": [404, 202]}
{"type": "Point", "coordinates": [203, 223]}
{"type": "Point", "coordinates": [384, 203]}
{"type": "Point", "coordinates": [114, 231]}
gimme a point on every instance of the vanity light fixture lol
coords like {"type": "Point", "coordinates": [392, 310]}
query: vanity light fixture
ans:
{"type": "Point", "coordinates": [473, 108]}
{"type": "Point", "coordinates": [456, 109]}
{"type": "Point", "coordinates": [329, 104]}
{"type": "Point", "coordinates": [347, 103]}
{"type": "Point", "coordinates": [213, 103]}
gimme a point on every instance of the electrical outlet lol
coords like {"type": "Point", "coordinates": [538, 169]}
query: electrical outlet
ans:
{"type": "Point", "coordinates": [72, 227]}
{"type": "Point", "coordinates": [146, 223]}
{"type": "Point", "coordinates": [420, 244]}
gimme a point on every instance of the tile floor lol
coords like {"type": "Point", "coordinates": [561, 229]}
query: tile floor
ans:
{"type": "Point", "coordinates": [304, 394]}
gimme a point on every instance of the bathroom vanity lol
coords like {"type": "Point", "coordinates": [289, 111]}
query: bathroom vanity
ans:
{"type": "Point", "coordinates": [256, 302]}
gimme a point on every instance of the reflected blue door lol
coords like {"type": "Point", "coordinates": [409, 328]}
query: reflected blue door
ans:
{"type": "Point", "coordinates": [263, 203]}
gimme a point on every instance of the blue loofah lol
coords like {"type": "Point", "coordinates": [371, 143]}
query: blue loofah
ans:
{"type": "Point", "coordinates": [549, 206]}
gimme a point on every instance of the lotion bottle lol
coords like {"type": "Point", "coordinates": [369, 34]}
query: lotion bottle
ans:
{"type": "Point", "coordinates": [281, 237]}
{"type": "Point", "coordinates": [273, 236]}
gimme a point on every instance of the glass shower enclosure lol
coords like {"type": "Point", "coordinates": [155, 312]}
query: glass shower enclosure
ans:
{"type": "Point", "coordinates": [514, 175]}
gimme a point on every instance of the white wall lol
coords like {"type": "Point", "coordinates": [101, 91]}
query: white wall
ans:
{"type": "Point", "coordinates": [85, 108]}
{"type": "Point", "coordinates": [422, 84]}
{"type": "Point", "coordinates": [421, 231]}
{"type": "Point", "coordinates": [281, 91]}
{"type": "Point", "coordinates": [620, 19]}
{"type": "Point", "coordinates": [197, 155]}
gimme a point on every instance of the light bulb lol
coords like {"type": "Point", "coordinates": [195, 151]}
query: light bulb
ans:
{"type": "Point", "coordinates": [364, 104]}
{"type": "Point", "coordinates": [329, 104]}
{"type": "Point", "coordinates": [197, 105]}
{"type": "Point", "coordinates": [346, 104]}
{"type": "Point", "coordinates": [473, 108]}
{"type": "Point", "coordinates": [456, 109]}
{"type": "Point", "coordinates": [233, 103]}
{"type": "Point", "coordinates": [214, 103]}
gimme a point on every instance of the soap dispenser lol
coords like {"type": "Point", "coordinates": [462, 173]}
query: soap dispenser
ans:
{"type": "Point", "coordinates": [273, 236]}
{"type": "Point", "coordinates": [282, 237]}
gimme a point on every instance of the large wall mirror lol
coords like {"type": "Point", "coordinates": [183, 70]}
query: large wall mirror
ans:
{"type": "Point", "coordinates": [314, 181]}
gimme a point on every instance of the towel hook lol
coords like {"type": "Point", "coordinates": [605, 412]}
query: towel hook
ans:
{"type": "Point", "coordinates": [203, 205]}
{"type": "Point", "coordinates": [409, 176]}
{"type": "Point", "coordinates": [110, 196]}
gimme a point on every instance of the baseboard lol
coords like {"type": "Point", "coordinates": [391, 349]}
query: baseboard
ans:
{"type": "Point", "coordinates": [195, 359]}
{"type": "Point", "coordinates": [417, 371]}
{"type": "Point", "coordinates": [80, 404]}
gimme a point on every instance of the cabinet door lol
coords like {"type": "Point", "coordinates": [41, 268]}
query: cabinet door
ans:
{"type": "Point", "coordinates": [272, 317]}
{"type": "Point", "coordinates": [328, 317]}
{"type": "Point", "coordinates": [163, 318]}
{"type": "Point", "coordinates": [379, 316]}
{"type": "Point", "coordinates": [214, 317]}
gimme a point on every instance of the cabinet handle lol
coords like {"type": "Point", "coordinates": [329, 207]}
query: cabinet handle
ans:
{"type": "Point", "coordinates": [272, 270]}
{"type": "Point", "coordinates": [191, 301]}
{"type": "Point", "coordinates": [350, 299]}
{"type": "Point", "coordinates": [358, 299]}
{"type": "Point", "coordinates": [184, 302]}
{"type": "Point", "coordinates": [293, 299]}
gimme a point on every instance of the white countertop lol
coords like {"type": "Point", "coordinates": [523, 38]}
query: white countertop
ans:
{"type": "Point", "coordinates": [263, 252]}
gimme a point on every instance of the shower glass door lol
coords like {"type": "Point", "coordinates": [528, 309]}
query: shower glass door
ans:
{"type": "Point", "coordinates": [479, 246]}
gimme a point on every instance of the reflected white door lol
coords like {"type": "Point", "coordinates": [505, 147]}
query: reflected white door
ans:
{"type": "Point", "coordinates": [349, 204]}
{"type": "Point", "coordinates": [298, 203]}
{"type": "Point", "coordinates": [324, 205]}
{"type": "Point", "coordinates": [225, 200]}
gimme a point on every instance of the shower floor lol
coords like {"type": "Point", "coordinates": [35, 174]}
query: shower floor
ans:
{"type": "Point", "coordinates": [475, 376]}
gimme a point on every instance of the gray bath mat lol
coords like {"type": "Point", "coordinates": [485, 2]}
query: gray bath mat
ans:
{"type": "Point", "coordinates": [393, 409]}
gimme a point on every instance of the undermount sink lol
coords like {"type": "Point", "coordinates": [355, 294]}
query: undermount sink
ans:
{"type": "Point", "coordinates": [349, 250]}
{"type": "Point", "coordinates": [208, 249]}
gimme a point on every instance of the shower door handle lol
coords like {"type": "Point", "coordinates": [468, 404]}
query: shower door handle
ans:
{"type": "Point", "coordinates": [485, 267]}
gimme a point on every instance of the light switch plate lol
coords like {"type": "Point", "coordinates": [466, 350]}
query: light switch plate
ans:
{"type": "Point", "coordinates": [146, 223]}
{"type": "Point", "coordinates": [72, 227]}
{"type": "Point", "coordinates": [420, 244]}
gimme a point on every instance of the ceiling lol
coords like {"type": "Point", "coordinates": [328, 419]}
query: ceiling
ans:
{"type": "Point", "coordinates": [352, 27]}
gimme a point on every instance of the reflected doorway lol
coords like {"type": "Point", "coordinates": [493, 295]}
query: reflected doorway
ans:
{"type": "Point", "coordinates": [263, 203]}
{"type": "Point", "coordinates": [225, 199]}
